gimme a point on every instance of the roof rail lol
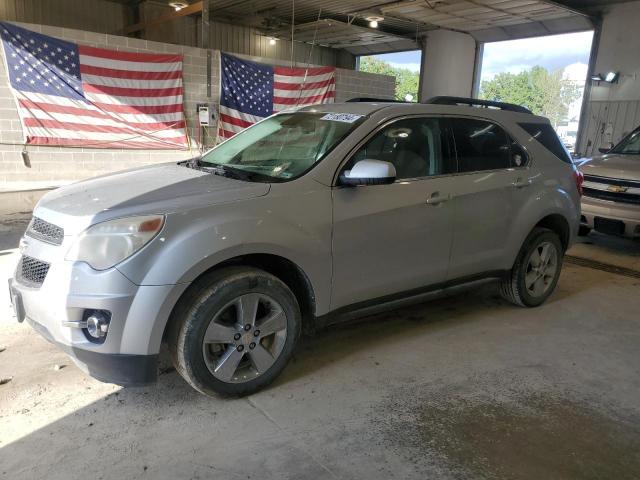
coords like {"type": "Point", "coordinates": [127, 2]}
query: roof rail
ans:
{"type": "Point", "coordinates": [372, 99]}
{"type": "Point", "coordinates": [474, 102]}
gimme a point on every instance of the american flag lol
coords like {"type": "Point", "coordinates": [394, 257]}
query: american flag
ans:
{"type": "Point", "coordinates": [251, 91]}
{"type": "Point", "coordinates": [75, 95]}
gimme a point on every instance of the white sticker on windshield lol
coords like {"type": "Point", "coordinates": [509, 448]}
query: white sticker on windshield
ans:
{"type": "Point", "coordinates": [341, 117]}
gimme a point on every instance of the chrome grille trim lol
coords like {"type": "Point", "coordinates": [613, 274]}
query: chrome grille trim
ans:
{"type": "Point", "coordinates": [32, 271]}
{"type": "Point", "coordinates": [45, 231]}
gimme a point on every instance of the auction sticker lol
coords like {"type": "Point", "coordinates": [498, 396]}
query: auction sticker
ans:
{"type": "Point", "coordinates": [342, 117]}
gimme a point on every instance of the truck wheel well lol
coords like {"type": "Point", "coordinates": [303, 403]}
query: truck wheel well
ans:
{"type": "Point", "coordinates": [558, 224]}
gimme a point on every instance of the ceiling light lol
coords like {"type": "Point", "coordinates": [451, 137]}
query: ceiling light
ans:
{"type": "Point", "coordinates": [177, 6]}
{"type": "Point", "coordinates": [611, 77]}
{"type": "Point", "coordinates": [272, 41]}
{"type": "Point", "coordinates": [597, 78]}
{"type": "Point", "coordinates": [374, 20]}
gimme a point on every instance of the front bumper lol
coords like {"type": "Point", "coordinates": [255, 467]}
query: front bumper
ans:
{"type": "Point", "coordinates": [128, 355]}
{"type": "Point", "coordinates": [121, 369]}
{"type": "Point", "coordinates": [628, 214]}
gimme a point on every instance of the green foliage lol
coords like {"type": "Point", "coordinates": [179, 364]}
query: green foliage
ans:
{"type": "Point", "coordinates": [543, 92]}
{"type": "Point", "coordinates": [406, 80]}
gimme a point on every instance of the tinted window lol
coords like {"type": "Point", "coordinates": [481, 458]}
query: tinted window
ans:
{"type": "Point", "coordinates": [546, 135]}
{"type": "Point", "coordinates": [481, 145]}
{"type": "Point", "coordinates": [417, 147]}
{"type": "Point", "coordinates": [630, 145]}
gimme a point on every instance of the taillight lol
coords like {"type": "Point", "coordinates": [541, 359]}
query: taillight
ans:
{"type": "Point", "coordinates": [579, 180]}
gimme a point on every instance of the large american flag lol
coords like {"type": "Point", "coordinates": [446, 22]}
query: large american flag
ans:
{"type": "Point", "coordinates": [75, 95]}
{"type": "Point", "coordinates": [251, 91]}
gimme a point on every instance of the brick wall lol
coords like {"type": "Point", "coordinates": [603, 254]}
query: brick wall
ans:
{"type": "Point", "coordinates": [59, 164]}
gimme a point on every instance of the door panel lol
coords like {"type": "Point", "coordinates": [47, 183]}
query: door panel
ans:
{"type": "Point", "coordinates": [482, 196]}
{"type": "Point", "coordinates": [483, 213]}
{"type": "Point", "coordinates": [388, 239]}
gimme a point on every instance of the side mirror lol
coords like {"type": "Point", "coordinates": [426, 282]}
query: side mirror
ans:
{"type": "Point", "coordinates": [369, 172]}
{"type": "Point", "coordinates": [604, 149]}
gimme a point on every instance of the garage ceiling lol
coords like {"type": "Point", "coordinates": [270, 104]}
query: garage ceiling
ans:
{"type": "Point", "coordinates": [343, 24]}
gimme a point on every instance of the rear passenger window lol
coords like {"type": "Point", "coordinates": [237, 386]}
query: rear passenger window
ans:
{"type": "Point", "coordinates": [546, 135]}
{"type": "Point", "coordinates": [417, 147]}
{"type": "Point", "coordinates": [481, 145]}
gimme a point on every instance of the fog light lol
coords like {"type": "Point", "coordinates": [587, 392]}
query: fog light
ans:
{"type": "Point", "coordinates": [98, 324]}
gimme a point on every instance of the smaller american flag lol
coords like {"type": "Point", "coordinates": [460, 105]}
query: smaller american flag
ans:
{"type": "Point", "coordinates": [251, 91]}
{"type": "Point", "coordinates": [74, 95]}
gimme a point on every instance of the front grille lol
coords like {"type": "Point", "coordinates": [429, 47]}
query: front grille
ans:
{"type": "Point", "coordinates": [611, 196]}
{"type": "Point", "coordinates": [612, 181]}
{"type": "Point", "coordinates": [31, 271]}
{"type": "Point", "coordinates": [45, 231]}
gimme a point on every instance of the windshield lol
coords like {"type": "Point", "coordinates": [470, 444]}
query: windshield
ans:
{"type": "Point", "coordinates": [630, 145]}
{"type": "Point", "coordinates": [284, 146]}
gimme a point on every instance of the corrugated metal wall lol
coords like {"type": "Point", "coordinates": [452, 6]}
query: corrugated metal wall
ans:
{"type": "Point", "coordinates": [90, 15]}
{"type": "Point", "coordinates": [607, 122]}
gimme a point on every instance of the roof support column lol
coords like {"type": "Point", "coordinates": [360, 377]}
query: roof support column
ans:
{"type": "Point", "coordinates": [448, 64]}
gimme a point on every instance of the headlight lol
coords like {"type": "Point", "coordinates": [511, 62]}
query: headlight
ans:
{"type": "Point", "coordinates": [106, 244]}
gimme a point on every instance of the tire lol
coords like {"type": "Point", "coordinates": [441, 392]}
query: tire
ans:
{"type": "Point", "coordinates": [583, 231]}
{"type": "Point", "coordinates": [205, 326]}
{"type": "Point", "coordinates": [516, 286]}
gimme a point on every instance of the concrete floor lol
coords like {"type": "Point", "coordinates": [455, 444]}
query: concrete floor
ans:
{"type": "Point", "coordinates": [462, 388]}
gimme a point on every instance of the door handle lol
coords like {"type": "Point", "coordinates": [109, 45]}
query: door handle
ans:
{"type": "Point", "coordinates": [520, 183]}
{"type": "Point", "coordinates": [436, 199]}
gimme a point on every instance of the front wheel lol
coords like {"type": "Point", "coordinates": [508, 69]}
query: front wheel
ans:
{"type": "Point", "coordinates": [535, 274]}
{"type": "Point", "coordinates": [234, 331]}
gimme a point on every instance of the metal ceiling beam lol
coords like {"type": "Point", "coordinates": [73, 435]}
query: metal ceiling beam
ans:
{"type": "Point", "coordinates": [190, 10]}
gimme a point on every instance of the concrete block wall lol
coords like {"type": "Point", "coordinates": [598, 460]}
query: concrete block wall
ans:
{"type": "Point", "coordinates": [62, 164]}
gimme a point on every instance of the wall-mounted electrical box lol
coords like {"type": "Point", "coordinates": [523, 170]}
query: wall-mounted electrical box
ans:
{"type": "Point", "coordinates": [204, 117]}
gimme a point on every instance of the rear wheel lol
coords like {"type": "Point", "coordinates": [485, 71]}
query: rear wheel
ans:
{"type": "Point", "coordinates": [234, 331]}
{"type": "Point", "coordinates": [535, 274]}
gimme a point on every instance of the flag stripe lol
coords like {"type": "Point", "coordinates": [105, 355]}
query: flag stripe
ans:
{"type": "Point", "coordinates": [134, 101]}
{"type": "Point", "coordinates": [303, 100]}
{"type": "Point", "coordinates": [129, 56]}
{"type": "Point", "coordinates": [80, 142]}
{"type": "Point", "coordinates": [98, 136]}
{"type": "Point", "coordinates": [126, 65]}
{"type": "Point", "coordinates": [133, 92]}
{"type": "Point", "coordinates": [95, 113]}
{"type": "Point", "coordinates": [97, 72]}
{"type": "Point", "coordinates": [84, 127]}
{"type": "Point", "coordinates": [235, 121]}
{"type": "Point", "coordinates": [40, 115]}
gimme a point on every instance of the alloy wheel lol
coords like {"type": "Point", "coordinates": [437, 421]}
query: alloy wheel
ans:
{"type": "Point", "coordinates": [245, 338]}
{"type": "Point", "coordinates": [541, 269]}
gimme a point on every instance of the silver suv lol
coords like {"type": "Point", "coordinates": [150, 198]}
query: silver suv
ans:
{"type": "Point", "coordinates": [301, 220]}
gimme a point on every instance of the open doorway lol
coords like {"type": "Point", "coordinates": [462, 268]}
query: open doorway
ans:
{"type": "Point", "coordinates": [405, 66]}
{"type": "Point", "coordinates": [545, 74]}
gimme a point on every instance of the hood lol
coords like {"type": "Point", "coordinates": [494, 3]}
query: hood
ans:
{"type": "Point", "coordinates": [162, 188]}
{"type": "Point", "coordinates": [613, 165]}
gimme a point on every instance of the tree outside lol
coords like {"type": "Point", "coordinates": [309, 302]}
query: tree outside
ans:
{"type": "Point", "coordinates": [541, 91]}
{"type": "Point", "coordinates": [406, 79]}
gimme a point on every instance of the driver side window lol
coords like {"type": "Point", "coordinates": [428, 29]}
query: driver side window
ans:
{"type": "Point", "coordinates": [417, 147]}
